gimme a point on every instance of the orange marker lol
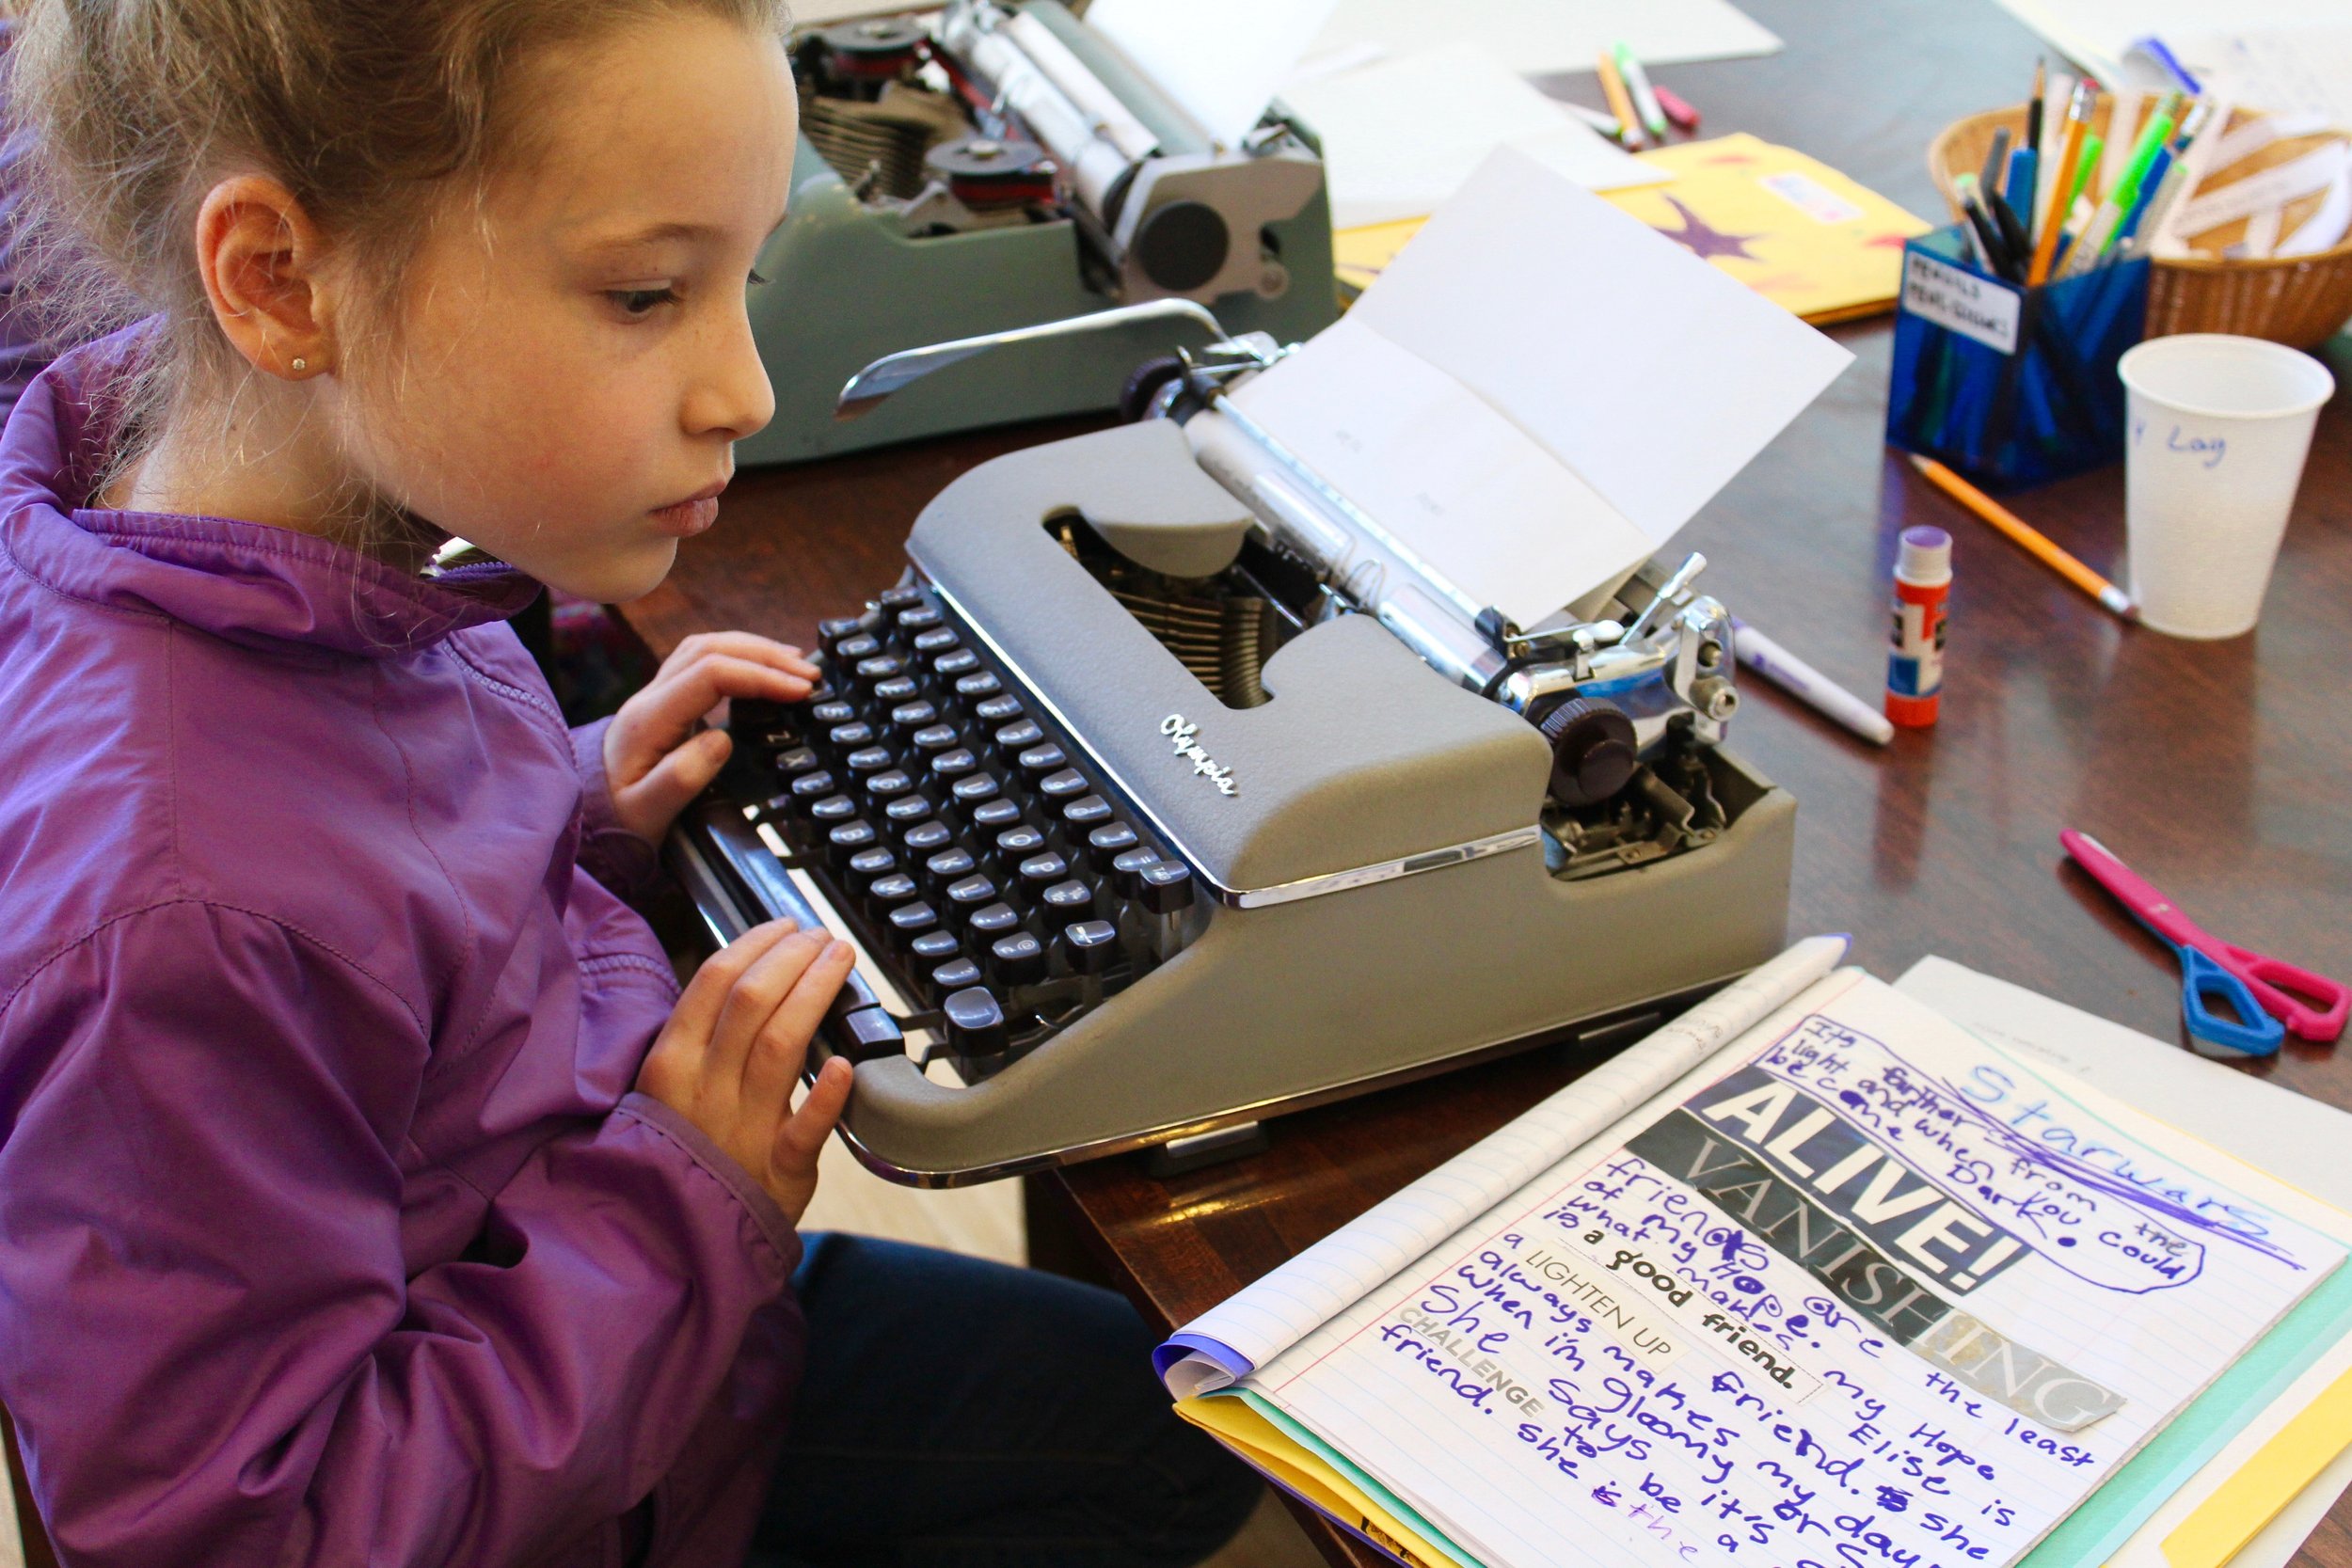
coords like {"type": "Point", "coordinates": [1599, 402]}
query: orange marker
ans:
{"type": "Point", "coordinates": [1620, 102]}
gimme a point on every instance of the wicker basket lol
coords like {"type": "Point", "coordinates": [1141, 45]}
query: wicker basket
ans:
{"type": "Point", "coordinates": [2300, 301]}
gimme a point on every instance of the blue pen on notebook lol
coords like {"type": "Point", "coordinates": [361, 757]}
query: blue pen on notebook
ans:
{"type": "Point", "coordinates": [2155, 49]}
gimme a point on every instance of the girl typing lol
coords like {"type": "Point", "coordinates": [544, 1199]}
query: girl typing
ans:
{"type": "Point", "coordinates": [368, 1191]}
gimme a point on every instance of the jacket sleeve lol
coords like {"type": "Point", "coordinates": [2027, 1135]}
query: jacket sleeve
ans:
{"type": "Point", "coordinates": [627, 866]}
{"type": "Point", "coordinates": [207, 1334]}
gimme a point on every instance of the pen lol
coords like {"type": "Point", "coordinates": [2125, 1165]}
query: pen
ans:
{"type": "Point", "coordinates": [1620, 102]}
{"type": "Point", "coordinates": [1996, 160]}
{"type": "Point", "coordinates": [1644, 99]}
{"type": "Point", "coordinates": [2013, 236]}
{"type": "Point", "coordinates": [2100, 232]}
{"type": "Point", "coordinates": [1983, 241]}
{"type": "Point", "coordinates": [2027, 537]}
{"type": "Point", "coordinates": [2025, 165]}
{"type": "Point", "coordinates": [1793, 675]}
{"type": "Point", "coordinates": [2033, 104]}
{"type": "Point", "coordinates": [2153, 47]}
{"type": "Point", "coordinates": [2150, 184]}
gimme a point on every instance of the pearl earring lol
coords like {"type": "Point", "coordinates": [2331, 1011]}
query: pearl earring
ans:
{"type": "Point", "coordinates": [301, 365]}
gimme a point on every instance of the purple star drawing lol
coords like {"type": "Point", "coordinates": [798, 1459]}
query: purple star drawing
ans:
{"type": "Point", "coordinates": [1702, 241]}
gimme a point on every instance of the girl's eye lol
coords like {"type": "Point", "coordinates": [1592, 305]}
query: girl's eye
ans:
{"type": "Point", "coordinates": [638, 303]}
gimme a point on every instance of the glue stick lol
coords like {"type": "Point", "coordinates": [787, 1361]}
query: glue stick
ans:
{"type": "Point", "coordinates": [1915, 667]}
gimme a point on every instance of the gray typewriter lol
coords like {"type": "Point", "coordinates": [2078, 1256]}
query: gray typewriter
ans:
{"type": "Point", "coordinates": [1161, 798]}
{"type": "Point", "coordinates": [993, 165]}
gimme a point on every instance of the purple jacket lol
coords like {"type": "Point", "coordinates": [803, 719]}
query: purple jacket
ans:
{"type": "Point", "coordinates": [330, 1230]}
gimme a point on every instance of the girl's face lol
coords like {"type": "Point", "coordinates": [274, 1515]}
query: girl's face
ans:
{"type": "Point", "coordinates": [573, 357]}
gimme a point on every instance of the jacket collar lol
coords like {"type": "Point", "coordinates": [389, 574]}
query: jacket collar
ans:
{"type": "Point", "coordinates": [261, 587]}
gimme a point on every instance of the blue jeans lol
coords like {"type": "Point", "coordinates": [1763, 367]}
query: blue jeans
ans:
{"type": "Point", "coordinates": [959, 1414]}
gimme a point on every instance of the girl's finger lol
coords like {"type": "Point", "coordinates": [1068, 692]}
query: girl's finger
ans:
{"type": "Point", "coordinates": [751, 1001]}
{"type": "Point", "coordinates": [667, 710]}
{"type": "Point", "coordinates": [743, 644]}
{"type": "Point", "coordinates": [698, 1005]}
{"type": "Point", "coordinates": [650, 804]}
{"type": "Point", "coordinates": [773, 1062]}
{"type": "Point", "coordinates": [801, 1138]}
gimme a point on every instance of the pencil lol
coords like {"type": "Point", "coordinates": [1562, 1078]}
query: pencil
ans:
{"type": "Point", "coordinates": [1620, 102]}
{"type": "Point", "coordinates": [2027, 537]}
{"type": "Point", "coordinates": [2069, 153]}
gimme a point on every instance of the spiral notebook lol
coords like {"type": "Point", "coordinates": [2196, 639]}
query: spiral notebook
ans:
{"type": "Point", "coordinates": [1813, 1273]}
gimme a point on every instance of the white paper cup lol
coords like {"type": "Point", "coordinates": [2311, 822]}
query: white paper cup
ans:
{"type": "Point", "coordinates": [2215, 444]}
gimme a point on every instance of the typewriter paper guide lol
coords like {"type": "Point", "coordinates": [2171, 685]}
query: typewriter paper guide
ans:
{"type": "Point", "coordinates": [1540, 391]}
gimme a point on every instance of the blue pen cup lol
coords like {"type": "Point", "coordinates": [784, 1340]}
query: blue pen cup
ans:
{"type": "Point", "coordinates": [2006, 385]}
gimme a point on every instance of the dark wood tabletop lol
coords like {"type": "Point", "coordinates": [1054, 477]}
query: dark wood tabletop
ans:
{"type": "Point", "coordinates": [2217, 769]}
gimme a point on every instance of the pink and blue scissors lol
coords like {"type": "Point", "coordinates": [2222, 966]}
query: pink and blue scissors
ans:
{"type": "Point", "coordinates": [2269, 995]}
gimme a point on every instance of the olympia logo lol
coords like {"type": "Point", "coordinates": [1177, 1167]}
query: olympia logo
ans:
{"type": "Point", "coordinates": [1181, 735]}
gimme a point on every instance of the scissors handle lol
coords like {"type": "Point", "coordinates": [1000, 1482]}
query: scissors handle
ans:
{"type": "Point", "coordinates": [2312, 1006]}
{"type": "Point", "coordinates": [2245, 1029]}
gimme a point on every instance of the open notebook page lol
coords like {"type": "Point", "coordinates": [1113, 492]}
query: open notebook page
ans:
{"type": "Point", "coordinates": [1257, 1324]}
{"type": "Point", "coordinates": [2009, 1282]}
{"type": "Point", "coordinates": [1583, 386]}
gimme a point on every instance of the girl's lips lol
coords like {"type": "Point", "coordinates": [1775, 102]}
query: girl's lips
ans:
{"type": "Point", "coordinates": [683, 519]}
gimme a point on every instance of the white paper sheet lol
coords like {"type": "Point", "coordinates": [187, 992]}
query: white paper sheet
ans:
{"type": "Point", "coordinates": [2097, 33]}
{"type": "Point", "coordinates": [1652, 375]}
{"type": "Point", "coordinates": [1540, 36]}
{"type": "Point", "coordinates": [1388, 152]}
{"type": "Point", "coordinates": [1220, 60]}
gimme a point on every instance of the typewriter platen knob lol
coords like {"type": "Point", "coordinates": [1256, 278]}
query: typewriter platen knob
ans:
{"type": "Point", "coordinates": [1592, 752]}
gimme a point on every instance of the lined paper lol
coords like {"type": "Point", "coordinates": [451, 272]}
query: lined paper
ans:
{"type": "Point", "coordinates": [1534, 1388]}
{"type": "Point", "coordinates": [1268, 1317]}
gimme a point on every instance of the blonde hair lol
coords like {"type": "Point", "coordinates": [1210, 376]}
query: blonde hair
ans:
{"type": "Point", "coordinates": [366, 110]}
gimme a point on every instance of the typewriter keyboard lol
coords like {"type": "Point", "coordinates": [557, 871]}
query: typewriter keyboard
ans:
{"type": "Point", "coordinates": [980, 861]}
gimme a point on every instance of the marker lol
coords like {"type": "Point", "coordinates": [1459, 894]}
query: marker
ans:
{"type": "Point", "coordinates": [2027, 537]}
{"type": "Point", "coordinates": [1644, 98]}
{"type": "Point", "coordinates": [2087, 166]}
{"type": "Point", "coordinates": [1923, 588]}
{"type": "Point", "coordinates": [2099, 232]}
{"type": "Point", "coordinates": [1793, 675]}
{"type": "Point", "coordinates": [1620, 102]}
{"type": "Point", "coordinates": [1991, 249]}
{"type": "Point", "coordinates": [2025, 170]}
{"type": "Point", "coordinates": [1677, 108]}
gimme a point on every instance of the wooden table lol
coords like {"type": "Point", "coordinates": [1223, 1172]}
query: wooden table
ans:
{"type": "Point", "coordinates": [2217, 769]}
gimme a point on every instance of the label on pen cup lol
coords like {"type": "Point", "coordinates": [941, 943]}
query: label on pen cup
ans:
{"type": "Point", "coordinates": [1960, 301]}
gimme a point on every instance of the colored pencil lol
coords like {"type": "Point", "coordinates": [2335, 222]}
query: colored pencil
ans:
{"type": "Point", "coordinates": [2077, 114]}
{"type": "Point", "coordinates": [2027, 537]}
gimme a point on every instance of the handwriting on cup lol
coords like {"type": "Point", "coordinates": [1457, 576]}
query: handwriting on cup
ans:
{"type": "Point", "coordinates": [2208, 449]}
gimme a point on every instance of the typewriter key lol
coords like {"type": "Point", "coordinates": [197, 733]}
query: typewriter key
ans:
{"type": "Point", "coordinates": [953, 765]}
{"type": "Point", "coordinates": [969, 895]}
{"type": "Point", "coordinates": [922, 617]}
{"type": "Point", "coordinates": [976, 1024]}
{"type": "Point", "coordinates": [868, 759]}
{"type": "Point", "coordinates": [1167, 887]}
{"type": "Point", "coordinates": [904, 596]}
{"type": "Point", "coordinates": [1018, 737]}
{"type": "Point", "coordinates": [851, 649]}
{"type": "Point", "coordinates": [1067, 900]}
{"type": "Point", "coordinates": [934, 738]}
{"type": "Point", "coordinates": [1086, 813]}
{"type": "Point", "coordinates": [997, 711]}
{"type": "Point", "coordinates": [994, 818]}
{"type": "Point", "coordinates": [882, 667]}
{"type": "Point", "coordinates": [1018, 960]}
{"type": "Point", "coordinates": [948, 865]}
{"type": "Point", "coordinates": [895, 690]}
{"type": "Point", "coordinates": [997, 920]}
{"type": "Point", "coordinates": [1127, 869]}
{"type": "Point", "coordinates": [906, 811]}
{"type": "Point", "coordinates": [869, 866]}
{"type": "Point", "coordinates": [978, 687]}
{"type": "Point", "coordinates": [845, 841]}
{"type": "Point", "coordinates": [971, 792]}
{"type": "Point", "coordinates": [913, 715]}
{"type": "Point", "coordinates": [961, 661]}
{"type": "Point", "coordinates": [829, 714]}
{"type": "Point", "coordinates": [792, 763]}
{"type": "Point", "coordinates": [1089, 945]}
{"type": "Point", "coordinates": [1040, 872]}
{"type": "Point", "coordinates": [1065, 785]}
{"type": "Point", "coordinates": [936, 640]}
{"type": "Point", "coordinates": [868, 1035]}
{"type": "Point", "coordinates": [1015, 844]}
{"type": "Point", "coordinates": [848, 738]}
{"type": "Point", "coordinates": [925, 839]}
{"type": "Point", "coordinates": [832, 810]}
{"type": "Point", "coordinates": [889, 786]}
{"type": "Point", "coordinates": [1106, 844]}
{"type": "Point", "coordinates": [909, 921]}
{"type": "Point", "coordinates": [832, 634]}
{"type": "Point", "coordinates": [933, 947]}
{"type": "Point", "coordinates": [956, 974]}
{"type": "Point", "coordinates": [896, 888]}
{"type": "Point", "coordinates": [1038, 761]}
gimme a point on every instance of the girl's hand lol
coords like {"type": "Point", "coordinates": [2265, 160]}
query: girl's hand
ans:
{"type": "Point", "coordinates": [729, 1057]}
{"type": "Point", "coordinates": [655, 760]}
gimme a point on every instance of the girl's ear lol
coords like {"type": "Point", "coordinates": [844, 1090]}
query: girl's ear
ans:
{"type": "Point", "coordinates": [261, 257]}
